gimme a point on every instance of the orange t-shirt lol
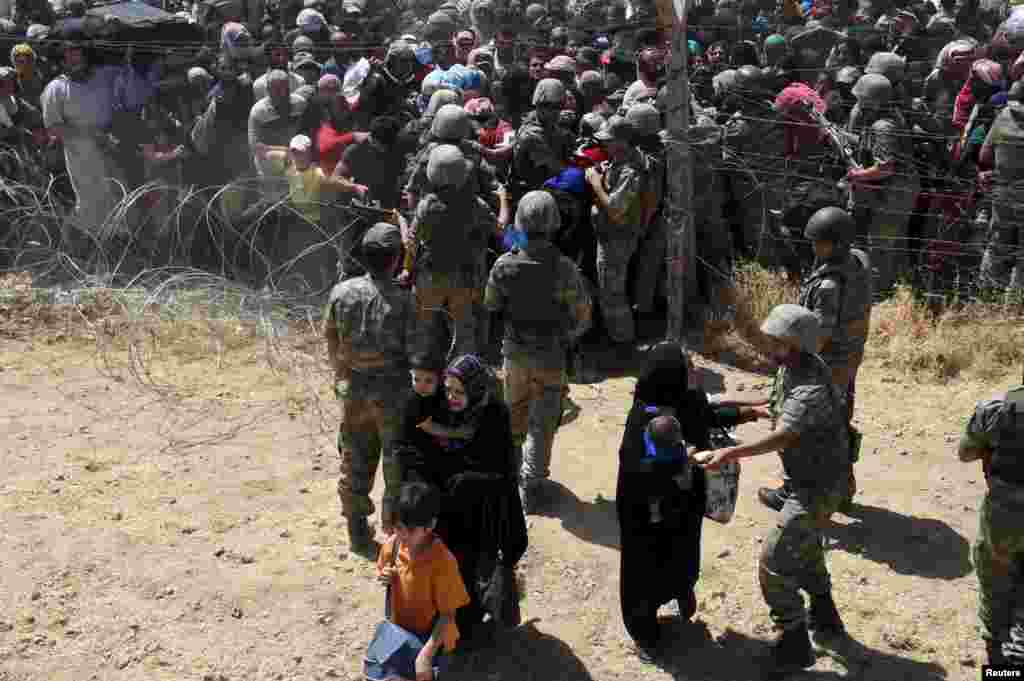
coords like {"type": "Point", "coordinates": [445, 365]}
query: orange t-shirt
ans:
{"type": "Point", "coordinates": [426, 586]}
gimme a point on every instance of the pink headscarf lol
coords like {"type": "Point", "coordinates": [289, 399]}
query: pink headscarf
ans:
{"type": "Point", "coordinates": [329, 83]}
{"type": "Point", "coordinates": [793, 102]}
{"type": "Point", "coordinates": [479, 106]}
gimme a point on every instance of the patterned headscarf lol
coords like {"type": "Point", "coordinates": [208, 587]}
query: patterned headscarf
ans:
{"type": "Point", "coordinates": [230, 36]}
{"type": "Point", "coordinates": [475, 377]}
{"type": "Point", "coordinates": [481, 106]}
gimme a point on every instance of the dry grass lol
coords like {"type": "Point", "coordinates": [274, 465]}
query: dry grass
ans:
{"type": "Point", "coordinates": [981, 340]}
{"type": "Point", "coordinates": [978, 340]}
{"type": "Point", "coordinates": [755, 292]}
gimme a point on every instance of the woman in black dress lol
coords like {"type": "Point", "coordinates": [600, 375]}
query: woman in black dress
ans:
{"type": "Point", "coordinates": [660, 495]}
{"type": "Point", "coordinates": [481, 519]}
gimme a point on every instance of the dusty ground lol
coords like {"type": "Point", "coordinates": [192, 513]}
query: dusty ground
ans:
{"type": "Point", "coordinates": [145, 538]}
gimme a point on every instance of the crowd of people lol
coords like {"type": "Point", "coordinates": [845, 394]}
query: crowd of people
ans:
{"type": "Point", "coordinates": [458, 172]}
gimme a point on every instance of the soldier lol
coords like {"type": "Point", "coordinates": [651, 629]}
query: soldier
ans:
{"type": "Point", "coordinates": [1003, 263]}
{"type": "Point", "coordinates": [650, 255]}
{"type": "Point", "coordinates": [369, 326]}
{"type": "Point", "coordinates": [448, 238]}
{"type": "Point", "coordinates": [995, 435]}
{"type": "Point", "coordinates": [545, 305]}
{"type": "Point", "coordinates": [542, 147]}
{"type": "Point", "coordinates": [754, 139]}
{"type": "Point", "coordinates": [887, 184]}
{"type": "Point", "coordinates": [451, 125]}
{"type": "Point", "coordinates": [812, 443]}
{"type": "Point", "coordinates": [617, 216]}
{"type": "Point", "coordinates": [838, 291]}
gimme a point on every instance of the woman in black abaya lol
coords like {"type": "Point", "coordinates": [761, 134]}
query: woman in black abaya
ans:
{"type": "Point", "coordinates": [660, 495]}
{"type": "Point", "coordinates": [481, 519]}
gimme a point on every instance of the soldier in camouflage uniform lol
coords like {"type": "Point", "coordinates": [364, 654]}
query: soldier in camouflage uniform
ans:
{"type": "Point", "coordinates": [448, 239]}
{"type": "Point", "coordinates": [887, 185]}
{"type": "Point", "coordinates": [650, 255]}
{"type": "Point", "coordinates": [838, 291]}
{"type": "Point", "coordinates": [451, 125]}
{"type": "Point", "coordinates": [1003, 264]}
{"type": "Point", "coordinates": [542, 147]}
{"type": "Point", "coordinates": [368, 329]}
{"type": "Point", "coordinates": [543, 300]}
{"type": "Point", "coordinates": [812, 439]}
{"type": "Point", "coordinates": [754, 141]}
{"type": "Point", "coordinates": [995, 435]}
{"type": "Point", "coordinates": [617, 216]}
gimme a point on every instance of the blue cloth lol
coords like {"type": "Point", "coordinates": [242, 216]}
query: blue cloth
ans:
{"type": "Point", "coordinates": [332, 68]}
{"type": "Point", "coordinates": [135, 87]}
{"type": "Point", "coordinates": [514, 238]}
{"type": "Point", "coordinates": [425, 55]}
{"type": "Point", "coordinates": [570, 180]}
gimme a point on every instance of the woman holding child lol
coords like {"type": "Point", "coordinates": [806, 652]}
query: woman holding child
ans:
{"type": "Point", "coordinates": [660, 494]}
{"type": "Point", "coordinates": [457, 436]}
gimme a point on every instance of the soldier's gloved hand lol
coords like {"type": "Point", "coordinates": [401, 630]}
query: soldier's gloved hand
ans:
{"type": "Point", "coordinates": [341, 388]}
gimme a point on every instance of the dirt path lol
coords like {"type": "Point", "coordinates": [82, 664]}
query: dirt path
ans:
{"type": "Point", "coordinates": [141, 542]}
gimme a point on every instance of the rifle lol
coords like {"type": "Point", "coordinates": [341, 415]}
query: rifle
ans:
{"type": "Point", "coordinates": [840, 143]}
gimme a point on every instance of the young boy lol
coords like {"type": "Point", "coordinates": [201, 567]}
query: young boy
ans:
{"type": "Point", "coordinates": [426, 587]}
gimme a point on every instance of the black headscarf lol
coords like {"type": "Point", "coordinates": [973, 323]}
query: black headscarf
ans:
{"type": "Point", "coordinates": [665, 379]}
{"type": "Point", "coordinates": [664, 384]}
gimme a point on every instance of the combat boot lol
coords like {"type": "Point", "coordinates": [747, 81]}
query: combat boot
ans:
{"type": "Point", "coordinates": [791, 653]}
{"type": "Point", "coordinates": [360, 538]}
{"type": "Point", "coordinates": [823, 619]}
{"type": "Point", "coordinates": [774, 499]}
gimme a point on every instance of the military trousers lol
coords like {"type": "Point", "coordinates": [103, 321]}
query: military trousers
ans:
{"type": "Point", "coordinates": [1002, 266]}
{"type": "Point", "coordinates": [648, 267]}
{"type": "Point", "coordinates": [887, 235]}
{"type": "Point", "coordinates": [998, 555]}
{"type": "Point", "coordinates": [793, 556]}
{"type": "Point", "coordinates": [451, 298]}
{"type": "Point", "coordinates": [533, 393]}
{"type": "Point", "coordinates": [613, 256]}
{"type": "Point", "coordinates": [366, 439]}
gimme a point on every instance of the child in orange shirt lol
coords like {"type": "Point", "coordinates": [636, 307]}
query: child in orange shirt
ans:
{"type": "Point", "coordinates": [426, 587]}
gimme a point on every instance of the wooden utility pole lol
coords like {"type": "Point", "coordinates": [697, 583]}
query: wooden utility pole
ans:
{"type": "Point", "coordinates": [679, 205]}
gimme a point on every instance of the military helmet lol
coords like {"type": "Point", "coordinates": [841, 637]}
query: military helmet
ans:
{"type": "Point", "coordinates": [534, 13]}
{"type": "Point", "coordinates": [848, 75]}
{"type": "Point", "coordinates": [549, 91]}
{"type": "Point", "coordinates": [537, 214]}
{"type": "Point", "coordinates": [796, 322]}
{"type": "Point", "coordinates": [383, 237]}
{"type": "Point", "coordinates": [872, 88]}
{"type": "Point", "coordinates": [888, 64]}
{"type": "Point", "coordinates": [749, 79]}
{"type": "Point", "coordinates": [451, 123]}
{"type": "Point", "coordinates": [447, 167]}
{"type": "Point", "coordinates": [1016, 93]}
{"type": "Point", "coordinates": [830, 224]}
{"type": "Point", "coordinates": [646, 119]}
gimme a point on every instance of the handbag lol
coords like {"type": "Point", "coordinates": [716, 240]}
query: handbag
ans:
{"type": "Point", "coordinates": [392, 650]}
